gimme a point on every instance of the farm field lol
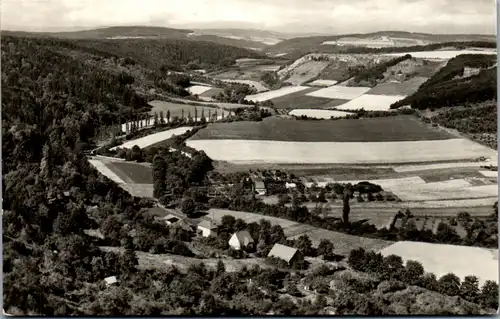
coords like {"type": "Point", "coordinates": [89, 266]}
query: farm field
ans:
{"type": "Point", "coordinates": [198, 89]}
{"type": "Point", "coordinates": [255, 151]}
{"type": "Point", "coordinates": [176, 109]}
{"type": "Point", "coordinates": [442, 259]}
{"type": "Point", "coordinates": [257, 85]}
{"type": "Point", "coordinates": [322, 83]}
{"type": "Point", "coordinates": [340, 92]}
{"type": "Point", "coordinates": [380, 129]}
{"type": "Point", "coordinates": [106, 171]}
{"type": "Point", "coordinates": [318, 114]}
{"type": "Point", "coordinates": [299, 100]}
{"type": "Point", "coordinates": [371, 102]}
{"type": "Point", "coordinates": [407, 87]}
{"type": "Point", "coordinates": [344, 243]}
{"type": "Point", "coordinates": [210, 93]}
{"type": "Point", "coordinates": [445, 54]}
{"type": "Point", "coordinates": [153, 138]}
{"type": "Point", "coordinates": [489, 173]}
{"type": "Point", "coordinates": [132, 172]}
{"type": "Point", "coordinates": [264, 96]}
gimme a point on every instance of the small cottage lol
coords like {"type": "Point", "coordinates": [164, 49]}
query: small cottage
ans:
{"type": "Point", "coordinates": [241, 240]}
{"type": "Point", "coordinates": [111, 280]}
{"type": "Point", "coordinates": [291, 185]}
{"type": "Point", "coordinates": [259, 187]}
{"type": "Point", "coordinates": [207, 228]}
{"type": "Point", "coordinates": [288, 254]}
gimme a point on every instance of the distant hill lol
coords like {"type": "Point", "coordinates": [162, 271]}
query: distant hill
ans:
{"type": "Point", "coordinates": [400, 38]}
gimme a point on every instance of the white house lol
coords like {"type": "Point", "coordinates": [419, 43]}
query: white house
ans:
{"type": "Point", "coordinates": [291, 185]}
{"type": "Point", "coordinates": [110, 280]}
{"type": "Point", "coordinates": [207, 228]}
{"type": "Point", "coordinates": [241, 239]}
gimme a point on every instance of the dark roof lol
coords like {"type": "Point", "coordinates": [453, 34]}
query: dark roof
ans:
{"type": "Point", "coordinates": [283, 252]}
{"type": "Point", "coordinates": [207, 224]}
{"type": "Point", "coordinates": [244, 237]}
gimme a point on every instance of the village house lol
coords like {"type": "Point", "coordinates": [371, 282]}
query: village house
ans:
{"type": "Point", "coordinates": [291, 185]}
{"type": "Point", "coordinates": [207, 228]}
{"type": "Point", "coordinates": [241, 240]}
{"type": "Point", "coordinates": [288, 254]}
{"type": "Point", "coordinates": [111, 280]}
{"type": "Point", "coordinates": [259, 187]}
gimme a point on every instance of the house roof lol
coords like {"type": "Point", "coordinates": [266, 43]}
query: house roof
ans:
{"type": "Point", "coordinates": [244, 237]}
{"type": "Point", "coordinates": [207, 224]}
{"type": "Point", "coordinates": [283, 252]}
{"type": "Point", "coordinates": [111, 280]}
{"type": "Point", "coordinates": [259, 184]}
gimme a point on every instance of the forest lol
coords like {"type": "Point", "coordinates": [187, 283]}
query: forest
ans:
{"type": "Point", "coordinates": [449, 88]}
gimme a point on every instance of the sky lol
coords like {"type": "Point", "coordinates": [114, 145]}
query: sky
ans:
{"type": "Point", "coordinates": [323, 16]}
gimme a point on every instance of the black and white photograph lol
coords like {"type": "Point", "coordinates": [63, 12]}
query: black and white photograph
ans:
{"type": "Point", "coordinates": [249, 158]}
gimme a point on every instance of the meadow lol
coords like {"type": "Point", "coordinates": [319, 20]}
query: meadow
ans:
{"type": "Point", "coordinates": [407, 87]}
{"type": "Point", "coordinates": [323, 83]}
{"type": "Point", "coordinates": [380, 129]}
{"type": "Point", "coordinates": [371, 102]}
{"type": "Point", "coordinates": [198, 89]}
{"type": "Point", "coordinates": [340, 92]}
{"type": "Point", "coordinates": [299, 100]}
{"type": "Point", "coordinates": [132, 172]}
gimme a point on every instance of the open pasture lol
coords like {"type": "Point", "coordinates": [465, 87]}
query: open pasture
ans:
{"type": "Point", "coordinates": [318, 114]}
{"type": "Point", "coordinates": [132, 172]}
{"type": "Point", "coordinates": [305, 72]}
{"type": "Point", "coordinates": [404, 88]}
{"type": "Point", "coordinates": [340, 92]}
{"type": "Point", "coordinates": [440, 55]}
{"type": "Point", "coordinates": [371, 102]}
{"type": "Point", "coordinates": [269, 95]}
{"type": "Point", "coordinates": [489, 173]}
{"type": "Point", "coordinates": [380, 129]}
{"type": "Point", "coordinates": [442, 259]}
{"type": "Point", "coordinates": [299, 100]}
{"type": "Point", "coordinates": [260, 151]}
{"type": "Point", "coordinates": [322, 83]}
{"type": "Point", "coordinates": [153, 138]}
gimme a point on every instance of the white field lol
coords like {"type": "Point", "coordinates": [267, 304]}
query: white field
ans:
{"type": "Point", "coordinates": [318, 114]}
{"type": "Point", "coordinates": [442, 259]}
{"type": "Point", "coordinates": [258, 86]}
{"type": "Point", "coordinates": [340, 92]}
{"type": "Point", "coordinates": [431, 192]}
{"type": "Point", "coordinates": [104, 170]}
{"type": "Point", "coordinates": [261, 97]}
{"type": "Point", "coordinates": [255, 151]}
{"type": "Point", "coordinates": [198, 89]}
{"type": "Point", "coordinates": [153, 138]}
{"type": "Point", "coordinates": [371, 102]}
{"type": "Point", "coordinates": [445, 55]}
{"type": "Point", "coordinates": [416, 168]}
{"type": "Point", "coordinates": [323, 83]}
{"type": "Point", "coordinates": [489, 173]}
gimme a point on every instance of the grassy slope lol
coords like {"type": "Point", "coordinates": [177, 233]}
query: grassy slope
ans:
{"type": "Point", "coordinates": [400, 128]}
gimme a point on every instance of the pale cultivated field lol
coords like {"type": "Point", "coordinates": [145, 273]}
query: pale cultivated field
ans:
{"type": "Point", "coordinates": [198, 89]}
{"type": "Point", "coordinates": [442, 259]}
{"type": "Point", "coordinates": [415, 168]}
{"type": "Point", "coordinates": [153, 138]}
{"type": "Point", "coordinates": [489, 173]}
{"type": "Point", "coordinates": [104, 170]}
{"type": "Point", "coordinates": [344, 243]}
{"type": "Point", "coordinates": [318, 114]}
{"type": "Point", "coordinates": [258, 86]}
{"type": "Point", "coordinates": [430, 192]}
{"type": "Point", "coordinates": [340, 92]}
{"type": "Point", "coordinates": [371, 102]}
{"type": "Point", "coordinates": [255, 151]}
{"type": "Point", "coordinates": [323, 83]}
{"type": "Point", "coordinates": [446, 55]}
{"type": "Point", "coordinates": [261, 97]}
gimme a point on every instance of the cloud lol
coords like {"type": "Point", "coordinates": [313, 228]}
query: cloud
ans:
{"type": "Point", "coordinates": [336, 16]}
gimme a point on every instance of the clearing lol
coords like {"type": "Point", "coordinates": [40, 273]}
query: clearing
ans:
{"type": "Point", "coordinates": [340, 92]}
{"type": "Point", "coordinates": [442, 259]}
{"type": "Point", "coordinates": [380, 129]}
{"type": "Point", "coordinates": [371, 102]}
{"type": "Point", "coordinates": [131, 172]}
{"type": "Point", "coordinates": [318, 114]}
{"type": "Point", "coordinates": [261, 97]}
{"type": "Point", "coordinates": [153, 138]}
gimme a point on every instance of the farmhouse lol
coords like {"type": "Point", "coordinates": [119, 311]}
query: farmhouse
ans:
{"type": "Point", "coordinates": [207, 228]}
{"type": "Point", "coordinates": [259, 187]}
{"type": "Point", "coordinates": [288, 254]}
{"type": "Point", "coordinates": [241, 239]}
{"type": "Point", "coordinates": [111, 280]}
